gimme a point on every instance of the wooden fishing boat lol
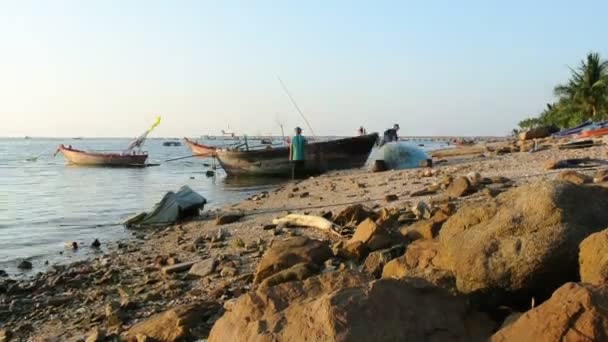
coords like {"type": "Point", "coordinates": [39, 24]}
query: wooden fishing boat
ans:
{"type": "Point", "coordinates": [78, 157]}
{"type": "Point", "coordinates": [200, 149]}
{"type": "Point", "coordinates": [597, 132]}
{"type": "Point", "coordinates": [319, 157]}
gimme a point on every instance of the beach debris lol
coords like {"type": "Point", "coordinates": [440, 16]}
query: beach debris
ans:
{"type": "Point", "coordinates": [304, 194]}
{"type": "Point", "coordinates": [173, 206]}
{"type": "Point", "coordinates": [96, 244]}
{"type": "Point", "coordinates": [24, 265]}
{"type": "Point", "coordinates": [310, 221]}
{"type": "Point", "coordinates": [73, 245]}
{"type": "Point", "coordinates": [283, 254]}
{"type": "Point", "coordinates": [574, 177]}
{"type": "Point", "coordinates": [181, 267]}
{"type": "Point", "coordinates": [399, 156]}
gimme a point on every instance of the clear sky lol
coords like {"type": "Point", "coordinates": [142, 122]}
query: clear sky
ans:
{"type": "Point", "coordinates": [106, 68]}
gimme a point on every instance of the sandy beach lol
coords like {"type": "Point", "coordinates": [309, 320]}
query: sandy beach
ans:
{"type": "Point", "coordinates": [131, 281]}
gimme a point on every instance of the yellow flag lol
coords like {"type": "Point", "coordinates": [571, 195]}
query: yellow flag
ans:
{"type": "Point", "coordinates": [156, 123]}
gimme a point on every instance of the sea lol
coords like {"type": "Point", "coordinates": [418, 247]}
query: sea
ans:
{"type": "Point", "coordinates": [45, 203]}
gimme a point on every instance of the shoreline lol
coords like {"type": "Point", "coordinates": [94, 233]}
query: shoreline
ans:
{"type": "Point", "coordinates": [132, 280]}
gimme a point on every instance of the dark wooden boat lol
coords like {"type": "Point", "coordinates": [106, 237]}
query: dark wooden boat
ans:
{"type": "Point", "coordinates": [78, 157]}
{"type": "Point", "coordinates": [200, 149]}
{"type": "Point", "coordinates": [347, 153]}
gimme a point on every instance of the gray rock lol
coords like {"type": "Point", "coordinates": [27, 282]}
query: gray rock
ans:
{"type": "Point", "coordinates": [203, 268]}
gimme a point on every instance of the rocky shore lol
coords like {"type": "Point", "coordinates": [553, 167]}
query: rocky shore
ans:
{"type": "Point", "coordinates": [489, 244]}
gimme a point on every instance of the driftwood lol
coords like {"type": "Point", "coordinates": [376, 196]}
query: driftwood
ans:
{"type": "Point", "coordinates": [310, 221]}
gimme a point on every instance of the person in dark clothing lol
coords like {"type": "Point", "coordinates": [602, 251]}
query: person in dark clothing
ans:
{"type": "Point", "coordinates": [390, 135]}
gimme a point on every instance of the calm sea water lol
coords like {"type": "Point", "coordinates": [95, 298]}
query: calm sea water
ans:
{"type": "Point", "coordinates": [45, 203]}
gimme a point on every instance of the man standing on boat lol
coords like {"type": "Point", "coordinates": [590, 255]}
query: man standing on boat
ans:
{"type": "Point", "coordinates": [390, 135]}
{"type": "Point", "coordinates": [296, 154]}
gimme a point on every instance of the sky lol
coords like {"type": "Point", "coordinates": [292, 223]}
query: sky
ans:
{"type": "Point", "coordinates": [107, 68]}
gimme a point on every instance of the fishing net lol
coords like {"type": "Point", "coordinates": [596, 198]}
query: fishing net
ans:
{"type": "Point", "coordinates": [401, 156]}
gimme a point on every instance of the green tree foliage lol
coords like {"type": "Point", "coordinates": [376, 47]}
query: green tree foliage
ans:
{"type": "Point", "coordinates": [583, 97]}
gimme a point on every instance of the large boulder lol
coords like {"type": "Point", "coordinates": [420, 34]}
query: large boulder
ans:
{"type": "Point", "coordinates": [524, 239]}
{"type": "Point", "coordinates": [535, 133]}
{"type": "Point", "coordinates": [575, 312]}
{"type": "Point", "coordinates": [283, 254]}
{"type": "Point", "coordinates": [593, 258]}
{"type": "Point", "coordinates": [174, 324]}
{"type": "Point", "coordinates": [345, 306]}
{"type": "Point", "coordinates": [423, 264]}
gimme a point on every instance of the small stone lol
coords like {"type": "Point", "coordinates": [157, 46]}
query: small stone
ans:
{"type": "Point", "coordinates": [113, 314]}
{"type": "Point", "coordinates": [96, 244]}
{"type": "Point", "coordinates": [304, 195]}
{"type": "Point", "coordinates": [203, 268]}
{"type": "Point", "coordinates": [238, 243]}
{"type": "Point", "coordinates": [96, 335]}
{"type": "Point", "coordinates": [25, 265]}
{"type": "Point", "coordinates": [229, 272]}
{"type": "Point", "coordinates": [269, 226]}
{"type": "Point", "coordinates": [228, 218]}
{"type": "Point", "coordinates": [172, 261]}
{"type": "Point", "coordinates": [391, 198]}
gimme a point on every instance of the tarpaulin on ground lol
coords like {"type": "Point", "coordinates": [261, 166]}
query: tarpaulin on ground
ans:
{"type": "Point", "coordinates": [173, 207]}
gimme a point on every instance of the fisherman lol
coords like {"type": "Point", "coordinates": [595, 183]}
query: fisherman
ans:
{"type": "Point", "coordinates": [296, 154]}
{"type": "Point", "coordinates": [390, 135]}
{"type": "Point", "coordinates": [362, 131]}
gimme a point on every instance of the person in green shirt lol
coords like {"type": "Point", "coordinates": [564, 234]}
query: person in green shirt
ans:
{"type": "Point", "coordinates": [296, 154]}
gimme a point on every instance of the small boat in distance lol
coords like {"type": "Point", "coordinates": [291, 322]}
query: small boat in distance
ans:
{"type": "Point", "coordinates": [78, 157]}
{"type": "Point", "coordinates": [172, 143]}
{"type": "Point", "coordinates": [131, 157]}
{"type": "Point", "coordinates": [345, 153]}
{"type": "Point", "coordinates": [200, 150]}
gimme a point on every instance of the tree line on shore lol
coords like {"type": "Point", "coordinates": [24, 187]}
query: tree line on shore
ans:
{"type": "Point", "coordinates": [582, 98]}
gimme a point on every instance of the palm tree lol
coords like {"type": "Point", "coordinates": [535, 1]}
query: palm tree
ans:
{"type": "Point", "coordinates": [587, 88]}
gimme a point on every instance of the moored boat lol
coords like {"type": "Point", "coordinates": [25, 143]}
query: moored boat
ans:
{"type": "Point", "coordinates": [597, 130]}
{"type": "Point", "coordinates": [200, 150]}
{"type": "Point", "coordinates": [79, 157]}
{"type": "Point", "coordinates": [346, 153]}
